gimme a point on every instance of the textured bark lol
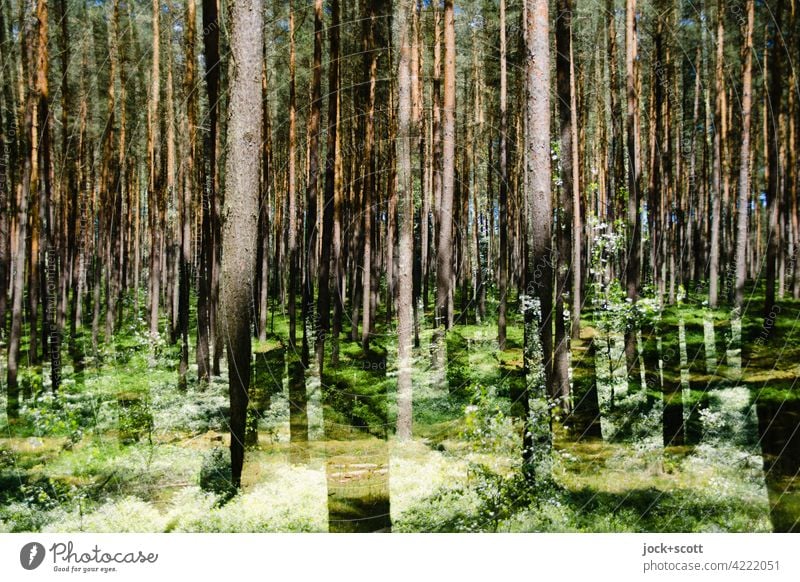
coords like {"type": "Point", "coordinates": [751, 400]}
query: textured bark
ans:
{"type": "Point", "coordinates": [405, 223]}
{"type": "Point", "coordinates": [502, 265]}
{"type": "Point", "coordinates": [744, 159]}
{"type": "Point", "coordinates": [567, 211]}
{"type": "Point", "coordinates": [153, 193]}
{"type": "Point", "coordinates": [204, 303]}
{"type": "Point", "coordinates": [48, 258]}
{"type": "Point", "coordinates": [776, 169]}
{"type": "Point", "coordinates": [240, 214]}
{"type": "Point", "coordinates": [719, 153]}
{"type": "Point", "coordinates": [291, 235]}
{"type": "Point", "coordinates": [324, 293]}
{"type": "Point", "coordinates": [444, 257]}
{"type": "Point", "coordinates": [18, 274]}
{"type": "Point", "coordinates": [634, 234]}
{"type": "Point", "coordinates": [538, 213]}
{"type": "Point", "coordinates": [368, 175]}
{"type": "Point", "coordinates": [311, 239]}
{"type": "Point", "coordinates": [186, 192]}
{"type": "Point", "coordinates": [8, 158]}
{"type": "Point", "coordinates": [616, 158]}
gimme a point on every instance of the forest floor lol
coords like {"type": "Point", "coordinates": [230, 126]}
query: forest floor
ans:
{"type": "Point", "coordinates": [123, 449]}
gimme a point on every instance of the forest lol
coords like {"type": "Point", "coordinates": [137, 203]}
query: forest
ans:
{"type": "Point", "coordinates": [399, 266]}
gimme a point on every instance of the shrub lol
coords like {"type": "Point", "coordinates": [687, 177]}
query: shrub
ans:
{"type": "Point", "coordinates": [215, 475]}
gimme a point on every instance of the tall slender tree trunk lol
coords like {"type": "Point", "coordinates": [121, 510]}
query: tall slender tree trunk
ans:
{"type": "Point", "coordinates": [503, 210]}
{"type": "Point", "coordinates": [444, 257]}
{"type": "Point", "coordinates": [240, 213]}
{"type": "Point", "coordinates": [291, 242]}
{"type": "Point", "coordinates": [205, 305]}
{"type": "Point", "coordinates": [405, 224]}
{"type": "Point", "coordinates": [312, 186]}
{"type": "Point", "coordinates": [566, 198]}
{"type": "Point", "coordinates": [186, 192]}
{"type": "Point", "coordinates": [719, 145]}
{"type": "Point", "coordinates": [776, 169]}
{"type": "Point", "coordinates": [633, 243]}
{"type": "Point", "coordinates": [538, 214]}
{"type": "Point", "coordinates": [742, 209]}
{"type": "Point", "coordinates": [368, 176]}
{"type": "Point", "coordinates": [154, 185]}
{"type": "Point", "coordinates": [51, 334]}
{"type": "Point", "coordinates": [18, 272]}
{"type": "Point", "coordinates": [324, 293]}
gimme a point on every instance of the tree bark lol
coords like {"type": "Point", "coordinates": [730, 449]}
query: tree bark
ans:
{"type": "Point", "coordinates": [538, 213]}
{"type": "Point", "coordinates": [776, 169]}
{"type": "Point", "coordinates": [209, 188]}
{"type": "Point", "coordinates": [444, 257]}
{"type": "Point", "coordinates": [240, 214]}
{"type": "Point", "coordinates": [502, 265]}
{"type": "Point", "coordinates": [312, 186]}
{"type": "Point", "coordinates": [405, 223]}
{"type": "Point", "coordinates": [186, 193]}
{"type": "Point", "coordinates": [633, 243]}
{"type": "Point", "coordinates": [324, 293]}
{"type": "Point", "coordinates": [744, 159]}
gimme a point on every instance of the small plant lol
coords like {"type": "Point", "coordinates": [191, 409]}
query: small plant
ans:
{"type": "Point", "coordinates": [135, 418]}
{"type": "Point", "coordinates": [215, 475]}
{"type": "Point", "coordinates": [51, 415]}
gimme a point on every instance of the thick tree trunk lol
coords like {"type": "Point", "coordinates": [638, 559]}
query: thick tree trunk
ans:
{"type": "Point", "coordinates": [538, 213]}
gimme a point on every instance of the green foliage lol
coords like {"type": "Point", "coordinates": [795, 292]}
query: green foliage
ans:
{"type": "Point", "coordinates": [69, 415]}
{"type": "Point", "coordinates": [135, 418]}
{"type": "Point", "coordinates": [215, 475]}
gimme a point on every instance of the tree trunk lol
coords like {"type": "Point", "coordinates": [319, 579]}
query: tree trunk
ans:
{"type": "Point", "coordinates": [154, 185]}
{"type": "Point", "coordinates": [240, 214]}
{"type": "Point", "coordinates": [18, 272]}
{"type": "Point", "coordinates": [405, 223]}
{"type": "Point", "coordinates": [311, 188]}
{"type": "Point", "coordinates": [186, 193]}
{"type": "Point", "coordinates": [744, 160]}
{"type": "Point", "coordinates": [502, 265]}
{"type": "Point", "coordinates": [538, 212]}
{"type": "Point", "coordinates": [324, 293]}
{"type": "Point", "coordinates": [719, 145]}
{"type": "Point", "coordinates": [209, 188]}
{"type": "Point", "coordinates": [291, 242]}
{"type": "Point", "coordinates": [566, 198]}
{"type": "Point", "coordinates": [776, 169]}
{"type": "Point", "coordinates": [368, 177]}
{"type": "Point", "coordinates": [633, 243]}
{"type": "Point", "coordinates": [444, 257]}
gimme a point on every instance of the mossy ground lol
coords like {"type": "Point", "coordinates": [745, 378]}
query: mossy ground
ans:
{"type": "Point", "coordinates": [121, 447]}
